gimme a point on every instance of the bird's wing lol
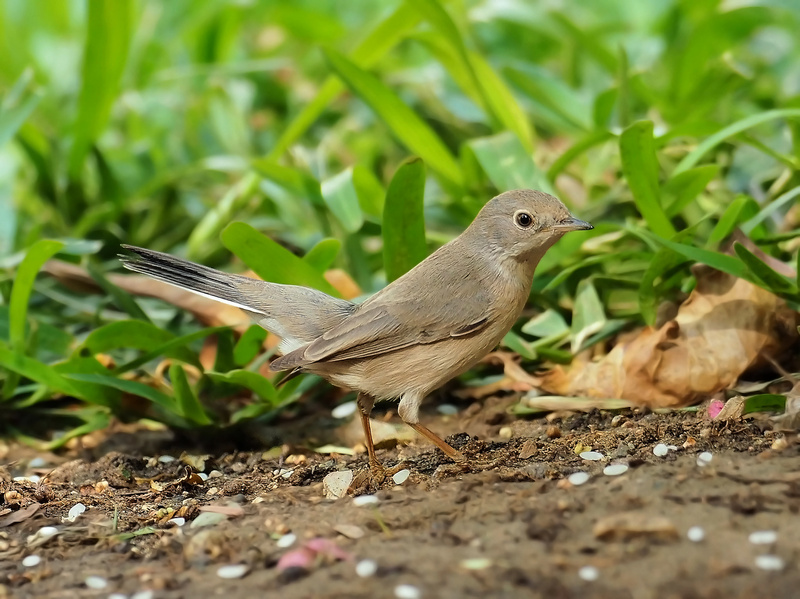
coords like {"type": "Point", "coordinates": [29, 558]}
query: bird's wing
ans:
{"type": "Point", "coordinates": [379, 329]}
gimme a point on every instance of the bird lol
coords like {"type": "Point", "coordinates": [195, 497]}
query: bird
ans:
{"type": "Point", "coordinates": [421, 330]}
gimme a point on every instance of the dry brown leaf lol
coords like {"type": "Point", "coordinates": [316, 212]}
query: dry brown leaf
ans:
{"type": "Point", "coordinates": [20, 515]}
{"type": "Point", "coordinates": [514, 378]}
{"type": "Point", "coordinates": [724, 328]}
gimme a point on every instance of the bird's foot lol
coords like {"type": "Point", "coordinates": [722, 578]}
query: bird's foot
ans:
{"type": "Point", "coordinates": [374, 478]}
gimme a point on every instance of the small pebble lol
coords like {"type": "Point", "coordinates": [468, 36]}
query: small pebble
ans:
{"type": "Point", "coordinates": [505, 432]}
{"type": "Point", "coordinates": [615, 469]}
{"type": "Point", "coordinates": [37, 463]}
{"type": "Point", "coordinates": [696, 534]}
{"type": "Point", "coordinates": [75, 511]}
{"type": "Point", "coordinates": [96, 582]}
{"type": "Point", "coordinates": [366, 500]}
{"type": "Point", "coordinates": [29, 561]}
{"type": "Point", "coordinates": [660, 450]}
{"type": "Point", "coordinates": [769, 562]}
{"type": "Point", "coordinates": [344, 410]}
{"type": "Point", "coordinates": [578, 478]}
{"type": "Point", "coordinates": [407, 591]}
{"type": "Point", "coordinates": [366, 568]}
{"type": "Point", "coordinates": [400, 477]}
{"type": "Point", "coordinates": [214, 474]}
{"type": "Point", "coordinates": [447, 409]}
{"type": "Point", "coordinates": [166, 459]}
{"type": "Point", "coordinates": [763, 537]}
{"type": "Point", "coordinates": [704, 459]}
{"type": "Point", "coordinates": [286, 540]}
{"type": "Point", "coordinates": [233, 571]}
{"type": "Point", "coordinates": [207, 519]}
{"type": "Point", "coordinates": [589, 573]}
{"type": "Point", "coordinates": [478, 563]}
{"type": "Point", "coordinates": [592, 456]}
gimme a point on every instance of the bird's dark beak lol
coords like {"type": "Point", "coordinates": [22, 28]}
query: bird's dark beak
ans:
{"type": "Point", "coordinates": [573, 224]}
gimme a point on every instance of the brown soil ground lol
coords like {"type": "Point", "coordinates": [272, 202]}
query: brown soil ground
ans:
{"type": "Point", "coordinates": [511, 525]}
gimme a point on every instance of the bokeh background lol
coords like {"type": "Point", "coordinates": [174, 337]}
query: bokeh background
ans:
{"type": "Point", "coordinates": [297, 137]}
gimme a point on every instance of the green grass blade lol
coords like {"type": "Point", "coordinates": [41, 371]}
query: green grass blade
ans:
{"type": "Point", "coordinates": [249, 380]}
{"type": "Point", "coordinates": [404, 220]}
{"type": "Point", "coordinates": [770, 209]}
{"type": "Point", "coordinates": [508, 165]}
{"type": "Point", "coordinates": [108, 35]}
{"type": "Point", "coordinates": [340, 196]}
{"type": "Point", "coordinates": [137, 335]}
{"type": "Point", "coordinates": [249, 345]}
{"type": "Point", "coordinates": [370, 192]}
{"type": "Point", "coordinates": [323, 254]}
{"type": "Point", "coordinates": [684, 187]}
{"type": "Point", "coordinates": [409, 128]}
{"type": "Point", "coordinates": [271, 261]}
{"type": "Point", "coordinates": [132, 387]}
{"type": "Point", "coordinates": [588, 315]}
{"type": "Point", "coordinates": [121, 298]}
{"type": "Point", "coordinates": [640, 167]}
{"type": "Point", "coordinates": [18, 104]}
{"type": "Point", "coordinates": [695, 155]}
{"type": "Point", "coordinates": [168, 347]}
{"type": "Point", "coordinates": [741, 208]}
{"type": "Point", "coordinates": [591, 140]}
{"type": "Point", "coordinates": [772, 280]}
{"type": "Point", "coordinates": [188, 405]}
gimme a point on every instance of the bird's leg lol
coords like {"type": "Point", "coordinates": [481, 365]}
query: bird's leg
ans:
{"type": "Point", "coordinates": [449, 451]}
{"type": "Point", "coordinates": [379, 471]}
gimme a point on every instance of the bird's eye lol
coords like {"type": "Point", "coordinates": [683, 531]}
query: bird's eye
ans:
{"type": "Point", "coordinates": [523, 219]}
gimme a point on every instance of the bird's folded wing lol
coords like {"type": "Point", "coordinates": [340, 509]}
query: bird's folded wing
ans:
{"type": "Point", "coordinates": [378, 330]}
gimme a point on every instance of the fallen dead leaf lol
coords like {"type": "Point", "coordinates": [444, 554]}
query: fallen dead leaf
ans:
{"type": "Point", "coordinates": [724, 328]}
{"type": "Point", "coordinates": [20, 515]}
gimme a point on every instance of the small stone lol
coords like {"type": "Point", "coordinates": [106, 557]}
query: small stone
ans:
{"type": "Point", "coordinates": [763, 537]}
{"type": "Point", "coordinates": [504, 433]}
{"type": "Point", "coordinates": [617, 420]}
{"type": "Point", "coordinates": [592, 456]}
{"type": "Point", "coordinates": [407, 591]}
{"type": "Point", "coordinates": [233, 571]}
{"type": "Point", "coordinates": [769, 562]}
{"type": "Point", "coordinates": [478, 563]}
{"type": "Point", "coordinates": [208, 519]}
{"type": "Point", "coordinates": [335, 484]}
{"type": "Point", "coordinates": [166, 459]}
{"type": "Point", "coordinates": [286, 541]}
{"type": "Point", "coordinates": [366, 568]}
{"type": "Point", "coordinates": [75, 511]}
{"type": "Point", "coordinates": [400, 477]}
{"type": "Point", "coordinates": [615, 469]}
{"type": "Point", "coordinates": [214, 474]}
{"type": "Point", "coordinates": [96, 583]}
{"type": "Point", "coordinates": [578, 478]}
{"type": "Point", "coordinates": [344, 410]}
{"type": "Point", "coordinates": [704, 459]}
{"type": "Point", "coordinates": [37, 463]}
{"type": "Point", "coordinates": [660, 450]}
{"type": "Point", "coordinates": [447, 409]}
{"type": "Point", "coordinates": [177, 521]}
{"type": "Point", "coordinates": [29, 561]}
{"type": "Point", "coordinates": [589, 573]}
{"type": "Point", "coordinates": [696, 534]}
{"type": "Point", "coordinates": [351, 531]}
{"type": "Point", "coordinates": [362, 500]}
{"type": "Point", "coordinates": [553, 432]}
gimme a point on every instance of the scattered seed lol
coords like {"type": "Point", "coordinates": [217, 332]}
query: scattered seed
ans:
{"type": "Point", "coordinates": [578, 478]}
{"type": "Point", "coordinates": [177, 521]}
{"type": "Point", "coordinates": [37, 463]}
{"type": "Point", "coordinates": [769, 562]}
{"type": "Point", "coordinates": [29, 561]}
{"type": "Point", "coordinates": [286, 541]}
{"type": "Point", "coordinates": [696, 534]}
{"type": "Point", "coordinates": [344, 410]}
{"type": "Point", "coordinates": [478, 563]}
{"type": "Point", "coordinates": [505, 432]}
{"type": "Point", "coordinates": [148, 594]}
{"type": "Point", "coordinates": [660, 450]}
{"type": "Point", "coordinates": [704, 459]}
{"type": "Point", "coordinates": [214, 474]}
{"type": "Point", "coordinates": [95, 582]}
{"type": "Point", "coordinates": [75, 511]}
{"type": "Point", "coordinates": [400, 477]}
{"type": "Point", "coordinates": [592, 456]}
{"type": "Point", "coordinates": [335, 484]}
{"type": "Point", "coordinates": [166, 459]}
{"type": "Point", "coordinates": [447, 409]}
{"type": "Point", "coordinates": [117, 596]}
{"type": "Point", "coordinates": [672, 447]}
{"type": "Point", "coordinates": [407, 591]}
{"type": "Point", "coordinates": [203, 476]}
{"type": "Point", "coordinates": [763, 537]}
{"type": "Point", "coordinates": [41, 535]}
{"type": "Point", "coordinates": [233, 571]}
{"type": "Point", "coordinates": [615, 469]}
{"type": "Point", "coordinates": [365, 500]}
{"type": "Point", "coordinates": [589, 573]}
{"type": "Point", "coordinates": [366, 568]}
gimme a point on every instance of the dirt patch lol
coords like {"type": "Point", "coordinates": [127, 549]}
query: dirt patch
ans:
{"type": "Point", "coordinates": [510, 525]}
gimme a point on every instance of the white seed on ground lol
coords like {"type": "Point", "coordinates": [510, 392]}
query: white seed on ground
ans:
{"type": "Point", "coordinates": [214, 474]}
{"type": "Point", "coordinates": [166, 459]}
{"type": "Point", "coordinates": [95, 582]}
{"type": "Point", "coordinates": [769, 562]}
{"type": "Point", "coordinates": [117, 596]}
{"type": "Point", "coordinates": [177, 521]}
{"type": "Point", "coordinates": [704, 459]}
{"type": "Point", "coordinates": [203, 476]}
{"type": "Point", "coordinates": [615, 469]}
{"type": "Point", "coordinates": [29, 561]}
{"type": "Point", "coordinates": [344, 410]}
{"type": "Point", "coordinates": [75, 511]}
{"type": "Point", "coordinates": [37, 463]}
{"type": "Point", "coordinates": [477, 563]}
{"type": "Point", "coordinates": [148, 594]}
{"type": "Point", "coordinates": [366, 568]}
{"type": "Point", "coordinates": [696, 534]}
{"type": "Point", "coordinates": [592, 456]}
{"type": "Point", "coordinates": [233, 571]}
{"type": "Point", "coordinates": [35, 478]}
{"type": "Point", "coordinates": [400, 477]}
{"type": "Point", "coordinates": [447, 409]}
{"type": "Point", "coordinates": [589, 573]}
{"type": "Point", "coordinates": [660, 450]}
{"type": "Point", "coordinates": [407, 591]}
{"type": "Point", "coordinates": [672, 447]}
{"type": "Point", "coordinates": [365, 500]}
{"type": "Point", "coordinates": [763, 537]}
{"type": "Point", "coordinates": [47, 531]}
{"type": "Point", "coordinates": [286, 540]}
{"type": "Point", "coordinates": [578, 478]}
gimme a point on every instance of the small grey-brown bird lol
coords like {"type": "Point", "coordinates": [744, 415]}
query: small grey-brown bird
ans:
{"type": "Point", "coordinates": [430, 325]}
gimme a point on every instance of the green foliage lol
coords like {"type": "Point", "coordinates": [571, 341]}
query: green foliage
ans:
{"type": "Point", "coordinates": [360, 136]}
